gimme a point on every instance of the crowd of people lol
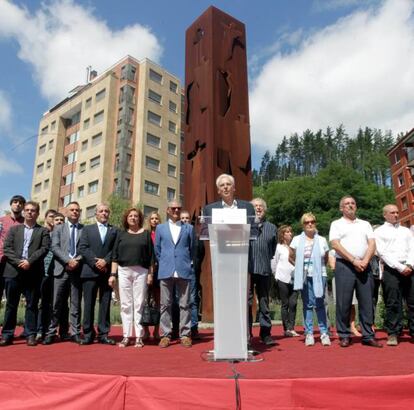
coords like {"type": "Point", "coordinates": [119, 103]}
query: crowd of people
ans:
{"type": "Point", "coordinates": [64, 267]}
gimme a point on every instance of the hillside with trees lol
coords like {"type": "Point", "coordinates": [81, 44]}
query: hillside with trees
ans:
{"type": "Point", "coordinates": [313, 171]}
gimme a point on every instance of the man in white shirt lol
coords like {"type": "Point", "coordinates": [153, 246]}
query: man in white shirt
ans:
{"type": "Point", "coordinates": [395, 247]}
{"type": "Point", "coordinates": [354, 244]}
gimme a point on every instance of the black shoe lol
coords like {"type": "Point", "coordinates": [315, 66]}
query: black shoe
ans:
{"type": "Point", "coordinates": [371, 343]}
{"type": "Point", "coordinates": [86, 341]}
{"type": "Point", "coordinates": [106, 341]}
{"type": "Point", "coordinates": [49, 340]}
{"type": "Point", "coordinates": [344, 342]}
{"type": "Point", "coordinates": [31, 341]}
{"type": "Point", "coordinates": [76, 339]}
{"type": "Point", "coordinates": [268, 341]}
{"type": "Point", "coordinates": [6, 342]}
{"type": "Point", "coordinates": [65, 337]}
{"type": "Point", "coordinates": [195, 335]}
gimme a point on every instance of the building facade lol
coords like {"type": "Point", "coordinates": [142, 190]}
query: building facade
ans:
{"type": "Point", "coordinates": [401, 157]}
{"type": "Point", "coordinates": [120, 133]}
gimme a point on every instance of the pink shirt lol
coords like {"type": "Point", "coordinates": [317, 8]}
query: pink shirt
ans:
{"type": "Point", "coordinates": [6, 222]}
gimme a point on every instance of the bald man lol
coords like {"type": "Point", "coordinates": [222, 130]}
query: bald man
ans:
{"type": "Point", "coordinates": [395, 247]}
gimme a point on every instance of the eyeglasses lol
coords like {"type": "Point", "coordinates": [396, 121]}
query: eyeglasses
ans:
{"type": "Point", "coordinates": [175, 208]}
{"type": "Point", "coordinates": [309, 222]}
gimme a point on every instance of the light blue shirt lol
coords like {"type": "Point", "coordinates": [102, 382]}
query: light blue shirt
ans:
{"type": "Point", "coordinates": [28, 232]}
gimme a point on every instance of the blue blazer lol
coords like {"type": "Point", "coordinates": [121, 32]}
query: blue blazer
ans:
{"type": "Point", "coordinates": [174, 257]}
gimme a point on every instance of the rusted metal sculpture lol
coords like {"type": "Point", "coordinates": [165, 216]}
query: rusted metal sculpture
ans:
{"type": "Point", "coordinates": [216, 128]}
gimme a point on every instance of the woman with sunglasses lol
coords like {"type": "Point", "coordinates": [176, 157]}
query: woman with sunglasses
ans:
{"type": "Point", "coordinates": [311, 257]}
{"type": "Point", "coordinates": [283, 268]}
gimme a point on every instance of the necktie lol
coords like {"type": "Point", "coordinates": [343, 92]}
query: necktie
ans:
{"type": "Point", "coordinates": [72, 244]}
{"type": "Point", "coordinates": [102, 231]}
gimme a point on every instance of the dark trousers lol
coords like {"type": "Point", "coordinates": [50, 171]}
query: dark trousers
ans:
{"type": "Point", "coordinates": [64, 286]}
{"type": "Point", "coordinates": [45, 307]}
{"type": "Point", "coordinates": [29, 286]}
{"type": "Point", "coordinates": [397, 287]}
{"type": "Point", "coordinates": [90, 289]}
{"type": "Point", "coordinates": [346, 280]}
{"type": "Point", "coordinates": [289, 299]}
{"type": "Point", "coordinates": [262, 285]}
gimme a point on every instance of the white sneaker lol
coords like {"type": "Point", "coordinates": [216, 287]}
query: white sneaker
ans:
{"type": "Point", "coordinates": [325, 339]}
{"type": "Point", "coordinates": [309, 340]}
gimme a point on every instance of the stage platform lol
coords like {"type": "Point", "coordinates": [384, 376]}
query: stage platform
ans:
{"type": "Point", "coordinates": [291, 376]}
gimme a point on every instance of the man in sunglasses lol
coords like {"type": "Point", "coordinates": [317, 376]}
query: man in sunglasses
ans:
{"type": "Point", "coordinates": [174, 244]}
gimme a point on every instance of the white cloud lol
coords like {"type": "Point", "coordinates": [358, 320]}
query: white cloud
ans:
{"type": "Point", "coordinates": [62, 38]}
{"type": "Point", "coordinates": [9, 165]}
{"type": "Point", "coordinates": [4, 206]}
{"type": "Point", "coordinates": [5, 111]}
{"type": "Point", "coordinates": [328, 5]}
{"type": "Point", "coordinates": [358, 71]}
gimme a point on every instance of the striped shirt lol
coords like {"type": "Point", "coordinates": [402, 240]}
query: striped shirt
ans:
{"type": "Point", "coordinates": [263, 248]}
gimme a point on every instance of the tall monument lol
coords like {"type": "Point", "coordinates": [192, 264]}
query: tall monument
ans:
{"type": "Point", "coordinates": [217, 138]}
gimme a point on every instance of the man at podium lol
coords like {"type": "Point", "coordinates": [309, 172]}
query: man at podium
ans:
{"type": "Point", "coordinates": [226, 189]}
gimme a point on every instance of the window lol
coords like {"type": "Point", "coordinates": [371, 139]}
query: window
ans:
{"type": "Point", "coordinates": [42, 149]}
{"type": "Point", "coordinates": [397, 157]}
{"type": "Point", "coordinates": [95, 162]}
{"type": "Point", "coordinates": [154, 118]}
{"type": "Point", "coordinates": [86, 124]}
{"type": "Point", "coordinates": [84, 145]}
{"type": "Point", "coordinates": [404, 203]}
{"type": "Point", "coordinates": [71, 157]}
{"type": "Point", "coordinates": [151, 188]}
{"type": "Point", "coordinates": [172, 148]}
{"type": "Point", "coordinates": [170, 194]}
{"type": "Point", "coordinates": [73, 137]}
{"type": "Point", "coordinates": [53, 126]}
{"type": "Point", "coordinates": [152, 163]}
{"type": "Point", "coordinates": [153, 96]}
{"type": "Point", "coordinates": [46, 184]}
{"type": "Point", "coordinates": [48, 163]}
{"type": "Point", "coordinates": [45, 130]}
{"type": "Point", "coordinates": [90, 211]}
{"type": "Point", "coordinates": [153, 140]}
{"type": "Point", "coordinates": [93, 187]}
{"type": "Point", "coordinates": [88, 102]}
{"type": "Point", "coordinates": [68, 179]}
{"type": "Point", "coordinates": [51, 142]}
{"type": "Point", "coordinates": [39, 168]}
{"type": "Point", "coordinates": [128, 72]}
{"type": "Point", "coordinates": [130, 118]}
{"type": "Point", "coordinates": [96, 139]}
{"type": "Point", "coordinates": [128, 160]}
{"type": "Point", "coordinates": [74, 119]}
{"type": "Point", "coordinates": [400, 180]}
{"type": "Point", "coordinates": [44, 205]}
{"type": "Point", "coordinates": [81, 191]}
{"type": "Point", "coordinates": [172, 127]}
{"type": "Point", "coordinates": [37, 188]}
{"type": "Point", "coordinates": [66, 199]}
{"type": "Point", "coordinates": [128, 141]}
{"type": "Point", "coordinates": [82, 167]}
{"type": "Point", "coordinates": [173, 87]}
{"type": "Point", "coordinates": [172, 106]}
{"type": "Point", "coordinates": [172, 170]}
{"type": "Point", "coordinates": [98, 117]}
{"type": "Point", "coordinates": [100, 95]}
{"type": "Point", "coordinates": [154, 76]}
{"type": "Point", "coordinates": [149, 209]}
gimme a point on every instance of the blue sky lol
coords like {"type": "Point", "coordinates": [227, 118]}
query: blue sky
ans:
{"type": "Point", "coordinates": [312, 63]}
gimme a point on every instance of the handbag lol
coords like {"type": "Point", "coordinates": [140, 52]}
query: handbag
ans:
{"type": "Point", "coordinates": [150, 314]}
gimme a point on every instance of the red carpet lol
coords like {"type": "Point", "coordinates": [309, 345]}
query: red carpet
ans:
{"type": "Point", "coordinates": [68, 376]}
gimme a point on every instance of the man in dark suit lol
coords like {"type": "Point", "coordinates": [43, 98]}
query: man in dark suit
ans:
{"type": "Point", "coordinates": [25, 248]}
{"type": "Point", "coordinates": [226, 188]}
{"type": "Point", "coordinates": [66, 277]}
{"type": "Point", "coordinates": [95, 247]}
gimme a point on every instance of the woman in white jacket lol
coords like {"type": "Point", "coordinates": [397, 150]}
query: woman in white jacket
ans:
{"type": "Point", "coordinates": [283, 269]}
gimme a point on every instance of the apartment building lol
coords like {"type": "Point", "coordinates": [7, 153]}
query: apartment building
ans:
{"type": "Point", "coordinates": [401, 157]}
{"type": "Point", "coordinates": [120, 133]}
